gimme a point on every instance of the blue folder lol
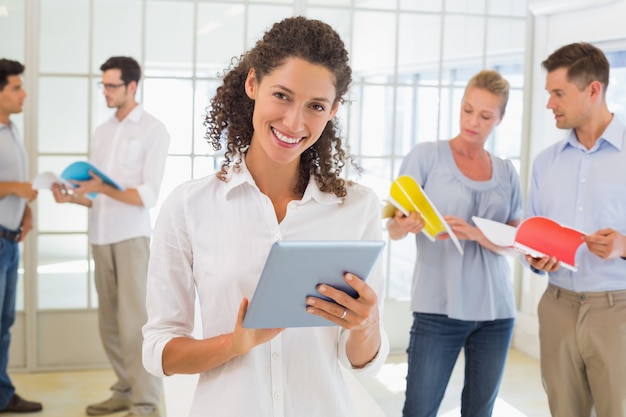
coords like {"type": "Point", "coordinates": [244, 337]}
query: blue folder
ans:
{"type": "Point", "coordinates": [79, 171]}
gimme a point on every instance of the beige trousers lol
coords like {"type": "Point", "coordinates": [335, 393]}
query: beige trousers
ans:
{"type": "Point", "coordinates": [121, 274]}
{"type": "Point", "coordinates": [583, 352]}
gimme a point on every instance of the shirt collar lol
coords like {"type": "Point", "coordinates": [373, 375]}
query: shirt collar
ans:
{"type": "Point", "coordinates": [614, 135]}
{"type": "Point", "coordinates": [134, 115]}
{"type": "Point", "coordinates": [237, 178]}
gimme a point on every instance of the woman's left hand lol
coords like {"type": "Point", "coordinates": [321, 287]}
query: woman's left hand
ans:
{"type": "Point", "coordinates": [350, 313]}
{"type": "Point", "coordinates": [462, 229]}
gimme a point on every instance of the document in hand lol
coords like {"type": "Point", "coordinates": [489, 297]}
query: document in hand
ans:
{"type": "Point", "coordinates": [294, 269]}
{"type": "Point", "coordinates": [407, 195]}
{"type": "Point", "coordinates": [77, 171]}
{"type": "Point", "coordinates": [536, 236]}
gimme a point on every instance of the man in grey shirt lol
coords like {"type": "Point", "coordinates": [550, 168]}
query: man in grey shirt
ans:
{"type": "Point", "coordinates": [15, 222]}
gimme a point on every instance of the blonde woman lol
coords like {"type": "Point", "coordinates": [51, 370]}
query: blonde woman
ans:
{"type": "Point", "coordinates": [461, 302]}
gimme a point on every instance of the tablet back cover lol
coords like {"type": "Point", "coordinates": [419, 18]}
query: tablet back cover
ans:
{"type": "Point", "coordinates": [294, 269]}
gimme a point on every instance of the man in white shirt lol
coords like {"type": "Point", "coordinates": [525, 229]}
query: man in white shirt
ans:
{"type": "Point", "coordinates": [15, 222]}
{"type": "Point", "coordinates": [131, 148]}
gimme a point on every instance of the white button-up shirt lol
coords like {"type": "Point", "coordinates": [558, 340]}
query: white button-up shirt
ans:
{"type": "Point", "coordinates": [212, 237]}
{"type": "Point", "coordinates": [132, 152]}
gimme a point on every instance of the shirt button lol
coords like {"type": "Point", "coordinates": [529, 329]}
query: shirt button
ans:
{"type": "Point", "coordinates": [584, 181]}
{"type": "Point", "coordinates": [275, 355]}
{"type": "Point", "coordinates": [580, 209]}
{"type": "Point", "coordinates": [276, 238]}
{"type": "Point", "coordinates": [277, 395]}
{"type": "Point", "coordinates": [581, 297]}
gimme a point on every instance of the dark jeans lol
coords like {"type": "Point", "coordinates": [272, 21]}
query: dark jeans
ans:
{"type": "Point", "coordinates": [434, 347]}
{"type": "Point", "coordinates": [9, 260]}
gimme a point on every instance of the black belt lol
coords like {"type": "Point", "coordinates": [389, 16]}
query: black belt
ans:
{"type": "Point", "coordinates": [14, 236]}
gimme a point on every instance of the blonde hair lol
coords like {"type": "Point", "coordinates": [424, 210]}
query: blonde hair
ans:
{"type": "Point", "coordinates": [492, 81]}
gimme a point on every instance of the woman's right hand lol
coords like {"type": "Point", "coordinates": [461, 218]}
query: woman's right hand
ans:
{"type": "Point", "coordinates": [245, 339]}
{"type": "Point", "coordinates": [187, 355]}
{"type": "Point", "coordinates": [400, 225]}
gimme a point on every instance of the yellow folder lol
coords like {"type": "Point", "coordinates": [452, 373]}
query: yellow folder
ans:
{"type": "Point", "coordinates": [407, 196]}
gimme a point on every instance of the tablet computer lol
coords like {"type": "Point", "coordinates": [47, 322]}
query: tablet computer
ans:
{"type": "Point", "coordinates": [294, 269]}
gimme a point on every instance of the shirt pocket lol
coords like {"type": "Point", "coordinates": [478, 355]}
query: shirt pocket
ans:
{"type": "Point", "coordinates": [131, 153]}
{"type": "Point", "coordinates": [609, 206]}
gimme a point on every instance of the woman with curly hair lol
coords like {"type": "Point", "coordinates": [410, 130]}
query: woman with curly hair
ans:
{"type": "Point", "coordinates": [280, 180]}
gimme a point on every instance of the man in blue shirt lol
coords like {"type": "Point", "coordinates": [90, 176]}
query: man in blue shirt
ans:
{"type": "Point", "coordinates": [15, 222]}
{"type": "Point", "coordinates": [581, 182]}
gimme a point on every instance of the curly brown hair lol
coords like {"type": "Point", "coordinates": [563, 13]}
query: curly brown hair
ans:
{"type": "Point", "coordinates": [230, 113]}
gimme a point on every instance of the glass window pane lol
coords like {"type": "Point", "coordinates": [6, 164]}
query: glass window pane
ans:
{"type": "Point", "coordinates": [262, 18]}
{"type": "Point", "coordinates": [171, 101]}
{"type": "Point", "coordinates": [459, 76]}
{"type": "Point", "coordinates": [427, 114]}
{"type": "Point", "coordinates": [376, 4]}
{"type": "Point", "coordinates": [177, 171]}
{"type": "Point", "coordinates": [100, 111]}
{"type": "Point", "coordinates": [508, 7]}
{"type": "Point", "coordinates": [450, 112]}
{"type": "Point", "coordinates": [419, 43]}
{"type": "Point", "coordinates": [421, 5]}
{"type": "Point", "coordinates": [62, 271]}
{"type": "Point", "coordinates": [18, 119]}
{"type": "Point", "coordinates": [64, 36]}
{"type": "Point", "coordinates": [508, 135]}
{"type": "Point", "coordinates": [12, 27]}
{"type": "Point", "coordinates": [423, 77]}
{"type": "Point", "coordinates": [417, 115]}
{"type": "Point", "coordinates": [373, 50]}
{"type": "Point", "coordinates": [329, 3]}
{"type": "Point", "coordinates": [52, 216]}
{"type": "Point", "coordinates": [203, 166]}
{"type": "Point", "coordinates": [169, 38]}
{"type": "Point", "coordinates": [505, 36]}
{"type": "Point", "coordinates": [466, 6]}
{"type": "Point", "coordinates": [401, 264]}
{"type": "Point", "coordinates": [63, 129]}
{"type": "Point", "coordinates": [512, 70]}
{"type": "Point", "coordinates": [122, 39]}
{"type": "Point", "coordinates": [374, 109]}
{"type": "Point", "coordinates": [463, 38]}
{"type": "Point", "coordinates": [376, 175]}
{"type": "Point", "coordinates": [338, 19]}
{"type": "Point", "coordinates": [219, 37]}
{"type": "Point", "coordinates": [616, 92]}
{"type": "Point", "coordinates": [205, 91]}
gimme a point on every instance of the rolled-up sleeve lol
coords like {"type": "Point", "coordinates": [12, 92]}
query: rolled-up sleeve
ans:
{"type": "Point", "coordinates": [154, 166]}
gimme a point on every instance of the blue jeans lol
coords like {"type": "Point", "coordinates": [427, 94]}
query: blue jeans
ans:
{"type": "Point", "coordinates": [9, 260]}
{"type": "Point", "coordinates": [434, 347]}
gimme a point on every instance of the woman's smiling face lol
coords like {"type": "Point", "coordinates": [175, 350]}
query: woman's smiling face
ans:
{"type": "Point", "coordinates": [293, 104]}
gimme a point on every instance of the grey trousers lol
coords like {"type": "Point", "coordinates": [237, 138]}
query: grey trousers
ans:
{"type": "Point", "coordinates": [121, 273]}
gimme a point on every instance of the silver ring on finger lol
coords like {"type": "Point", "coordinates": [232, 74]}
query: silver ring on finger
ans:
{"type": "Point", "coordinates": [345, 311]}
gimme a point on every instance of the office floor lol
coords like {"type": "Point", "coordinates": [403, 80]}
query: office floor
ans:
{"type": "Point", "coordinates": [521, 392]}
{"type": "Point", "coordinates": [66, 394]}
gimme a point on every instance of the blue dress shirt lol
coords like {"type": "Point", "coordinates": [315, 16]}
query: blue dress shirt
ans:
{"type": "Point", "coordinates": [584, 189]}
